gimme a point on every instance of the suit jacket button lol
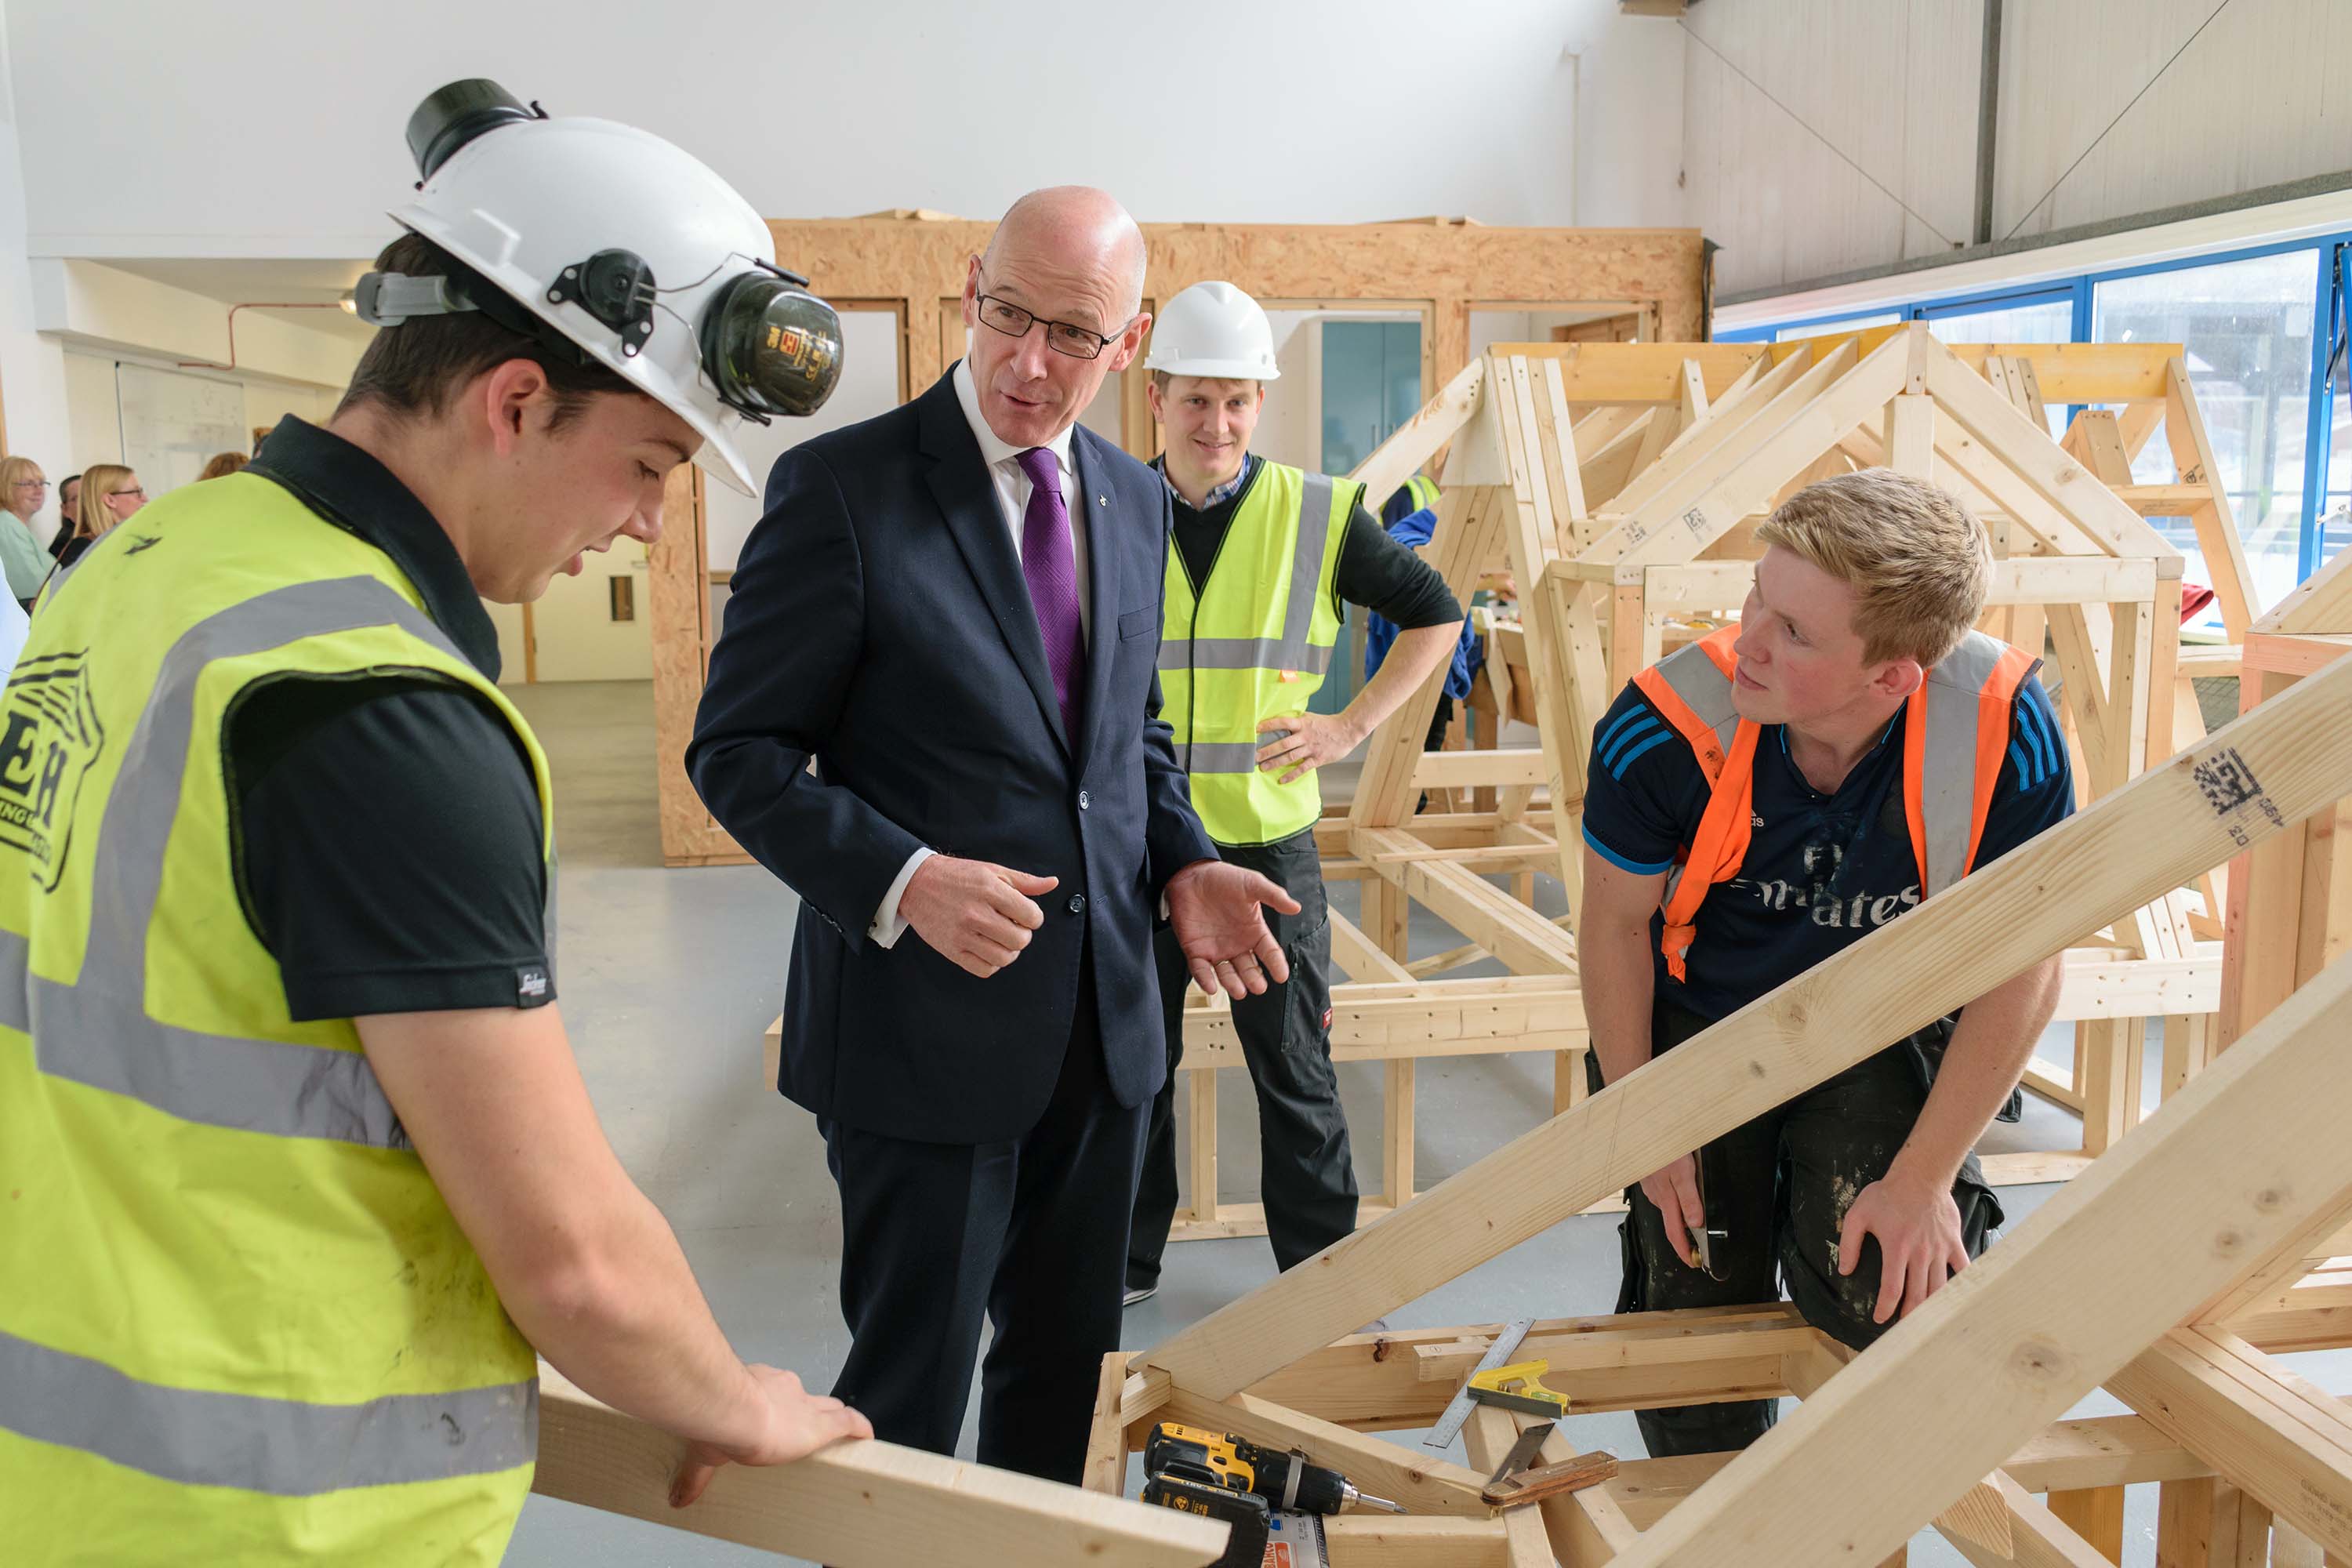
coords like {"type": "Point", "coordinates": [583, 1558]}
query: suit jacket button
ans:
{"type": "Point", "coordinates": [1085, 800]}
{"type": "Point", "coordinates": [1077, 903]}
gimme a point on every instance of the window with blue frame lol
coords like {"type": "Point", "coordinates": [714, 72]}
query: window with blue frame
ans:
{"type": "Point", "coordinates": [2258, 326]}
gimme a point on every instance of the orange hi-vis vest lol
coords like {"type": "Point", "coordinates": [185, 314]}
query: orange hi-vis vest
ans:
{"type": "Point", "coordinates": [1955, 731]}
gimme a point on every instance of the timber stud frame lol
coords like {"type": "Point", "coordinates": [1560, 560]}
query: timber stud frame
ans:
{"type": "Point", "coordinates": [1620, 484]}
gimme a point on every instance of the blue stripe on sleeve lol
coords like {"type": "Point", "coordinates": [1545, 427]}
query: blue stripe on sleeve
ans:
{"type": "Point", "coordinates": [1629, 758]}
{"type": "Point", "coordinates": [1637, 868]}
{"type": "Point", "coordinates": [1611, 730]}
{"type": "Point", "coordinates": [2029, 728]}
{"type": "Point", "coordinates": [1615, 749]}
{"type": "Point", "coordinates": [2024, 769]}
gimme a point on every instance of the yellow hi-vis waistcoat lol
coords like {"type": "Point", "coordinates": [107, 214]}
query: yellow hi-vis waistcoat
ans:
{"type": "Point", "coordinates": [238, 1324]}
{"type": "Point", "coordinates": [1255, 642]}
{"type": "Point", "coordinates": [1955, 732]}
{"type": "Point", "coordinates": [1424, 490]}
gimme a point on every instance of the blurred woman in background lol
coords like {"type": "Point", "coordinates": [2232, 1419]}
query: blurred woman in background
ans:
{"type": "Point", "coordinates": [23, 490]}
{"type": "Point", "coordinates": [68, 514]}
{"type": "Point", "coordinates": [110, 494]}
{"type": "Point", "coordinates": [223, 464]}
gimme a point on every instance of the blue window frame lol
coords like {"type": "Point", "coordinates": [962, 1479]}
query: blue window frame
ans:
{"type": "Point", "coordinates": [2324, 524]}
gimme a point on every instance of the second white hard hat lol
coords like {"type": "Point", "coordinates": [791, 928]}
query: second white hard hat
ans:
{"type": "Point", "coordinates": [1212, 329]}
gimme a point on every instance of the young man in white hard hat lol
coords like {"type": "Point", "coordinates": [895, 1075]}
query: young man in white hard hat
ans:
{"type": "Point", "coordinates": [1263, 561]}
{"type": "Point", "coordinates": [303, 1170]}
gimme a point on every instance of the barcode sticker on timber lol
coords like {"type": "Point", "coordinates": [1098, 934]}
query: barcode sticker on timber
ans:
{"type": "Point", "coordinates": [2230, 787]}
{"type": "Point", "coordinates": [1696, 520]}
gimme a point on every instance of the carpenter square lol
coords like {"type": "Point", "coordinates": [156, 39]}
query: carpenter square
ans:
{"type": "Point", "coordinates": [1457, 1415]}
{"type": "Point", "coordinates": [1519, 1387]}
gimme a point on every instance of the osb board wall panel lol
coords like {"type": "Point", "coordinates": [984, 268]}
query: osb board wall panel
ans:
{"type": "Point", "coordinates": [1451, 267]}
{"type": "Point", "coordinates": [1447, 268]}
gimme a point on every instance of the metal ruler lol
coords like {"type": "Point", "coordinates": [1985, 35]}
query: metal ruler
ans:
{"type": "Point", "coordinates": [1457, 1415]}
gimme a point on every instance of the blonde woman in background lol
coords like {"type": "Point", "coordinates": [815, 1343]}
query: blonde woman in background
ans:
{"type": "Point", "coordinates": [23, 490]}
{"type": "Point", "coordinates": [110, 494]}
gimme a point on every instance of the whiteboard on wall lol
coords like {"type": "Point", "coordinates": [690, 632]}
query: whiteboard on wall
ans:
{"type": "Point", "coordinates": [173, 422]}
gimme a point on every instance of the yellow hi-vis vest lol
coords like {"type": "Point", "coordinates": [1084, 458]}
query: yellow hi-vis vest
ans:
{"type": "Point", "coordinates": [237, 1322]}
{"type": "Point", "coordinates": [1424, 490]}
{"type": "Point", "coordinates": [1255, 642]}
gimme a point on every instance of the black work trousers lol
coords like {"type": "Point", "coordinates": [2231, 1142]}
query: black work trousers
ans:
{"type": "Point", "coordinates": [1030, 1232]}
{"type": "Point", "coordinates": [1781, 1186]}
{"type": "Point", "coordinates": [1307, 1174]}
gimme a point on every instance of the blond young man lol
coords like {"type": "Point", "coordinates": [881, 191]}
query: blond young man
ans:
{"type": "Point", "coordinates": [1763, 800]}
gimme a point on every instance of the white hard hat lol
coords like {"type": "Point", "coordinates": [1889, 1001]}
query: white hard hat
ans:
{"type": "Point", "coordinates": [634, 252]}
{"type": "Point", "coordinates": [1212, 329]}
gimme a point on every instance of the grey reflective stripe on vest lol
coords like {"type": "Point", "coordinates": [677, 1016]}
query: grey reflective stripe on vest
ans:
{"type": "Point", "coordinates": [1948, 784]}
{"type": "Point", "coordinates": [1225, 756]}
{"type": "Point", "coordinates": [97, 1031]}
{"type": "Point", "coordinates": [1311, 544]}
{"type": "Point", "coordinates": [282, 1446]}
{"type": "Point", "coordinates": [1704, 688]}
{"type": "Point", "coordinates": [1707, 692]}
{"type": "Point", "coordinates": [1243, 653]}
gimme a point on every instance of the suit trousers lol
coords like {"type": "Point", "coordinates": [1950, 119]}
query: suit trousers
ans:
{"type": "Point", "coordinates": [1307, 1171]}
{"type": "Point", "coordinates": [1030, 1233]}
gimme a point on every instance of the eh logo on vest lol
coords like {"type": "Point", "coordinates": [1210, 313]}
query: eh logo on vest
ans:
{"type": "Point", "coordinates": [49, 734]}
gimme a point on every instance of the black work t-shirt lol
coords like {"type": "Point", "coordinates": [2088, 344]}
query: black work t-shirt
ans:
{"type": "Point", "coordinates": [386, 824]}
{"type": "Point", "coordinates": [1821, 872]}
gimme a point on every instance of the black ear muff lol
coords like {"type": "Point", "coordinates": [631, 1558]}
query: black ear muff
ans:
{"type": "Point", "coordinates": [771, 346]}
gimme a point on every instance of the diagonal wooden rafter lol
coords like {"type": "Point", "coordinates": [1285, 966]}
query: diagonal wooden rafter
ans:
{"type": "Point", "coordinates": [2111, 858]}
{"type": "Point", "coordinates": [2110, 1246]}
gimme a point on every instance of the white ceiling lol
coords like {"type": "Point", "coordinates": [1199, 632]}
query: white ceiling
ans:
{"type": "Point", "coordinates": [238, 281]}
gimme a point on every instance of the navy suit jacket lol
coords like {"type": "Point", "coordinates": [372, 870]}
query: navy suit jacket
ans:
{"type": "Point", "coordinates": [880, 624]}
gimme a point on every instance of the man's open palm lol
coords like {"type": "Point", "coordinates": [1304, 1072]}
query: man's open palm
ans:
{"type": "Point", "coordinates": [1213, 908]}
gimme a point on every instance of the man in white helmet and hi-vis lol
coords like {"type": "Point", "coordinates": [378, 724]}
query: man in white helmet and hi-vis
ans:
{"type": "Point", "coordinates": [301, 1169]}
{"type": "Point", "coordinates": [1261, 561]}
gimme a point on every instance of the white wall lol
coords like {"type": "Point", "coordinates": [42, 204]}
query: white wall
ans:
{"type": "Point", "coordinates": [1629, 124]}
{"type": "Point", "coordinates": [1838, 135]}
{"type": "Point", "coordinates": [573, 623]}
{"type": "Point", "coordinates": [280, 135]}
{"type": "Point", "coordinates": [32, 376]}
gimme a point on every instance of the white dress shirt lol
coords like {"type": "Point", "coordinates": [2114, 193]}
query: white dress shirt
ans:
{"type": "Point", "coordinates": [1012, 485]}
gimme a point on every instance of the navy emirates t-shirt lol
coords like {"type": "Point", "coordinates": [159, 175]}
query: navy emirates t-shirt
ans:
{"type": "Point", "coordinates": [1821, 872]}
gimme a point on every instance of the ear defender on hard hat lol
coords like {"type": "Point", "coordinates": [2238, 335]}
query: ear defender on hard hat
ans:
{"type": "Point", "coordinates": [772, 346]}
{"type": "Point", "coordinates": [767, 345]}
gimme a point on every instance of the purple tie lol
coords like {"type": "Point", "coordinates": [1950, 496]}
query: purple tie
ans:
{"type": "Point", "coordinates": [1052, 569]}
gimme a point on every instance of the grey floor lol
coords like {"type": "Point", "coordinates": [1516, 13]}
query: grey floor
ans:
{"type": "Point", "coordinates": [668, 979]}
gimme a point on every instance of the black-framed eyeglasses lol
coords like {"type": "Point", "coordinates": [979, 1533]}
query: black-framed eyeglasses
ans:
{"type": "Point", "coordinates": [1062, 337]}
{"type": "Point", "coordinates": [32, 484]}
{"type": "Point", "coordinates": [133, 490]}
